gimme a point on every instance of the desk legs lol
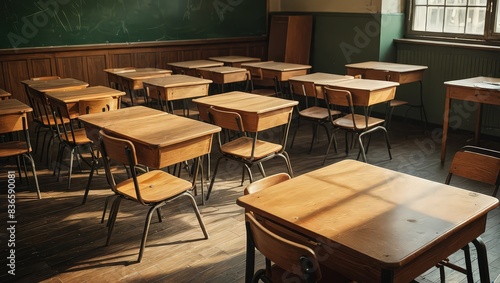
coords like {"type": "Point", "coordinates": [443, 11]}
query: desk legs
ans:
{"type": "Point", "coordinates": [446, 117]}
{"type": "Point", "coordinates": [482, 260]}
{"type": "Point", "coordinates": [250, 256]}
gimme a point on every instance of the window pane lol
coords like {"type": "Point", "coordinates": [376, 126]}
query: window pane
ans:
{"type": "Point", "coordinates": [475, 21]}
{"type": "Point", "coordinates": [435, 19]}
{"type": "Point", "coordinates": [455, 20]}
{"type": "Point", "coordinates": [456, 2]}
{"type": "Point", "coordinates": [436, 2]}
{"type": "Point", "coordinates": [477, 3]}
{"type": "Point", "coordinates": [420, 2]}
{"type": "Point", "coordinates": [497, 20]}
{"type": "Point", "coordinates": [419, 18]}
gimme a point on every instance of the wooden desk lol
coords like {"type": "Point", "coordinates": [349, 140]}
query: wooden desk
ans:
{"type": "Point", "coordinates": [234, 61]}
{"type": "Point", "coordinates": [374, 224]}
{"type": "Point", "coordinates": [132, 80]}
{"type": "Point", "coordinates": [368, 92]}
{"type": "Point", "coordinates": [70, 98]}
{"type": "Point", "coordinates": [4, 94]}
{"type": "Point", "coordinates": [471, 89]}
{"type": "Point", "coordinates": [396, 72]}
{"type": "Point", "coordinates": [176, 87]}
{"type": "Point", "coordinates": [258, 112]}
{"type": "Point", "coordinates": [320, 80]}
{"type": "Point", "coordinates": [189, 67]}
{"type": "Point", "coordinates": [54, 85]}
{"type": "Point", "coordinates": [13, 106]}
{"type": "Point", "coordinates": [279, 72]}
{"type": "Point", "coordinates": [225, 75]}
{"type": "Point", "coordinates": [165, 140]}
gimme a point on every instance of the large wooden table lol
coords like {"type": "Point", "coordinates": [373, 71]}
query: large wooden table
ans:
{"type": "Point", "coordinates": [234, 60]}
{"type": "Point", "coordinates": [131, 79]}
{"type": "Point", "coordinates": [176, 87]}
{"type": "Point", "coordinates": [470, 89]}
{"type": "Point", "coordinates": [258, 112]}
{"type": "Point", "coordinates": [160, 139]}
{"type": "Point", "coordinates": [71, 98]}
{"type": "Point", "coordinates": [225, 75]}
{"type": "Point", "coordinates": [372, 224]}
{"type": "Point", "coordinates": [190, 67]}
{"type": "Point", "coordinates": [396, 72]}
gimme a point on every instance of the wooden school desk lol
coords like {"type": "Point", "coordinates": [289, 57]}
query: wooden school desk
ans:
{"type": "Point", "coordinates": [54, 85]}
{"type": "Point", "coordinates": [234, 60]}
{"type": "Point", "coordinates": [176, 87]}
{"type": "Point", "coordinates": [372, 224]}
{"type": "Point", "coordinates": [368, 92]}
{"type": "Point", "coordinates": [12, 106]}
{"type": "Point", "coordinates": [396, 72]}
{"type": "Point", "coordinates": [279, 72]}
{"type": "Point", "coordinates": [131, 81]}
{"type": "Point", "coordinates": [320, 80]}
{"type": "Point", "coordinates": [4, 94]}
{"type": "Point", "coordinates": [189, 67]}
{"type": "Point", "coordinates": [225, 75]}
{"type": "Point", "coordinates": [258, 112]}
{"type": "Point", "coordinates": [70, 98]}
{"type": "Point", "coordinates": [471, 89]}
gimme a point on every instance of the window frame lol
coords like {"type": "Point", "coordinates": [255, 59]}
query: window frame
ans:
{"type": "Point", "coordinates": [489, 37]}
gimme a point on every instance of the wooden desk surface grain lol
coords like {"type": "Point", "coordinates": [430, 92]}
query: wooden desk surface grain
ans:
{"type": "Point", "coordinates": [371, 217]}
{"type": "Point", "coordinates": [235, 59]}
{"type": "Point", "coordinates": [93, 92]}
{"type": "Point", "coordinates": [176, 81]}
{"type": "Point", "coordinates": [194, 64]}
{"type": "Point", "coordinates": [55, 85]}
{"type": "Point", "coordinates": [12, 106]}
{"type": "Point", "coordinates": [368, 92]}
{"type": "Point", "coordinates": [387, 66]}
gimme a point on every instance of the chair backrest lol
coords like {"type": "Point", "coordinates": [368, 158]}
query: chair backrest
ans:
{"type": "Point", "coordinates": [226, 119]}
{"type": "Point", "coordinates": [293, 257]}
{"type": "Point", "coordinates": [266, 182]}
{"type": "Point", "coordinates": [41, 108]}
{"type": "Point", "coordinates": [478, 164]}
{"type": "Point", "coordinates": [46, 78]}
{"type": "Point", "coordinates": [13, 122]}
{"type": "Point", "coordinates": [377, 75]}
{"type": "Point", "coordinates": [61, 115]}
{"type": "Point", "coordinates": [120, 151]}
{"type": "Point", "coordinates": [97, 105]}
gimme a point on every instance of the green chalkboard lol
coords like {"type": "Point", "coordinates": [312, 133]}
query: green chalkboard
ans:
{"type": "Point", "coordinates": [44, 23]}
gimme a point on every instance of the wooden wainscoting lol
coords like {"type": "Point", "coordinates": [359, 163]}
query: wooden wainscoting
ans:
{"type": "Point", "coordinates": [86, 63]}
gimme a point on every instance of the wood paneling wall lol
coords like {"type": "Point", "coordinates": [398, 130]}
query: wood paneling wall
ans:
{"type": "Point", "coordinates": [86, 63]}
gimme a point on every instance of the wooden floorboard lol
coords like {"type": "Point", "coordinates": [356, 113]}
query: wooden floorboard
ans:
{"type": "Point", "coordinates": [60, 240]}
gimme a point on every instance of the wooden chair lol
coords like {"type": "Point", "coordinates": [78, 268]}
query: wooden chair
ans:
{"type": "Point", "coordinates": [95, 106]}
{"type": "Point", "coordinates": [350, 121]}
{"type": "Point", "coordinates": [267, 87]}
{"type": "Point", "coordinates": [309, 109]}
{"type": "Point", "coordinates": [478, 164]}
{"type": "Point", "coordinates": [283, 257]}
{"type": "Point", "coordinates": [17, 147]}
{"type": "Point", "coordinates": [154, 188]}
{"type": "Point", "coordinates": [245, 148]}
{"type": "Point", "coordinates": [266, 182]}
{"type": "Point", "coordinates": [70, 137]}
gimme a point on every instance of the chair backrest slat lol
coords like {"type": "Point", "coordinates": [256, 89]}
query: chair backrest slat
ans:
{"type": "Point", "coordinates": [12, 123]}
{"type": "Point", "coordinates": [226, 119]}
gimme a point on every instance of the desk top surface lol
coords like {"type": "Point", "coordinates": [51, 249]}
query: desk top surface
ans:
{"type": "Point", "coordinates": [194, 64]}
{"type": "Point", "coordinates": [92, 92]}
{"type": "Point", "coordinates": [321, 78]}
{"type": "Point", "coordinates": [54, 85]}
{"type": "Point", "coordinates": [245, 102]}
{"type": "Point", "coordinates": [143, 75]}
{"type": "Point", "coordinates": [367, 210]}
{"type": "Point", "coordinates": [161, 130]}
{"type": "Point", "coordinates": [477, 82]}
{"type": "Point", "coordinates": [223, 70]}
{"type": "Point", "coordinates": [364, 84]}
{"type": "Point", "coordinates": [101, 120]}
{"type": "Point", "coordinates": [118, 71]}
{"type": "Point", "coordinates": [176, 81]}
{"type": "Point", "coordinates": [387, 66]}
{"type": "Point", "coordinates": [4, 93]}
{"type": "Point", "coordinates": [12, 106]}
{"type": "Point", "coordinates": [234, 59]}
{"type": "Point", "coordinates": [277, 66]}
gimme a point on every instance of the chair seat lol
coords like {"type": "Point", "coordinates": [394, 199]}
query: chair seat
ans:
{"type": "Point", "coordinates": [395, 102]}
{"type": "Point", "coordinates": [80, 137]}
{"type": "Point", "coordinates": [13, 148]}
{"type": "Point", "coordinates": [315, 112]}
{"type": "Point", "coordinates": [155, 186]}
{"type": "Point", "coordinates": [347, 122]}
{"type": "Point", "coordinates": [242, 147]}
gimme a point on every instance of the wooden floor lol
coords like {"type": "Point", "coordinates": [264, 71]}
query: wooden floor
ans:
{"type": "Point", "coordinates": [57, 239]}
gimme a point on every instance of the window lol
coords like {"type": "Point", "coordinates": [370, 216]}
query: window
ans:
{"type": "Point", "coordinates": [454, 19]}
